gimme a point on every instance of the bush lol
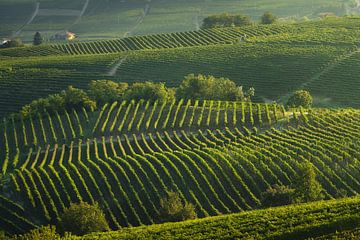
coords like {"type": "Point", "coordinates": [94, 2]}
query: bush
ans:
{"type": "Point", "coordinates": [83, 218]}
{"type": "Point", "coordinates": [203, 87]}
{"type": "Point", "coordinates": [47, 232]}
{"type": "Point", "coordinates": [68, 99]}
{"type": "Point", "coordinates": [104, 91]}
{"type": "Point", "coordinates": [300, 98]}
{"type": "Point", "coordinates": [77, 98]}
{"type": "Point", "coordinates": [149, 91]}
{"type": "Point", "coordinates": [268, 18]}
{"type": "Point", "coordinates": [225, 20]}
{"type": "Point", "coordinates": [307, 188]}
{"type": "Point", "coordinates": [277, 196]}
{"type": "Point", "coordinates": [174, 210]}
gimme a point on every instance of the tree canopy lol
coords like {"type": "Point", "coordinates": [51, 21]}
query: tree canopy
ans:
{"type": "Point", "coordinates": [268, 18]}
{"type": "Point", "coordinates": [300, 98]}
{"type": "Point", "coordinates": [203, 87]}
{"type": "Point", "coordinates": [38, 39]}
{"type": "Point", "coordinates": [83, 218]}
{"type": "Point", "coordinates": [226, 20]}
{"type": "Point", "coordinates": [149, 91]}
{"type": "Point", "coordinates": [104, 91]}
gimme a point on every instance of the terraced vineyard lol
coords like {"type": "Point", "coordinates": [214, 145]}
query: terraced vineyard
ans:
{"type": "Point", "coordinates": [172, 40]}
{"type": "Point", "coordinates": [322, 220]}
{"type": "Point", "coordinates": [128, 174]}
{"type": "Point", "coordinates": [283, 57]}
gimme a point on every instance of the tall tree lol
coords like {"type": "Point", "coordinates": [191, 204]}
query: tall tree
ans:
{"type": "Point", "coordinates": [307, 188]}
{"type": "Point", "coordinates": [38, 39]}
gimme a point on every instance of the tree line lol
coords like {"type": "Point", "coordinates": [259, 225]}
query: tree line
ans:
{"type": "Point", "coordinates": [100, 92]}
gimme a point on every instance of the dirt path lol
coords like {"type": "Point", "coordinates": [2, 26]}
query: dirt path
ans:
{"type": "Point", "coordinates": [112, 72]}
{"type": "Point", "coordinates": [35, 13]}
{"type": "Point", "coordinates": [139, 20]}
{"type": "Point", "coordinates": [331, 65]}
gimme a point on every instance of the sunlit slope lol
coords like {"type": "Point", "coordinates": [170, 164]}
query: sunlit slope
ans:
{"type": "Point", "coordinates": [325, 220]}
{"type": "Point", "coordinates": [276, 60]}
{"type": "Point", "coordinates": [112, 19]}
{"type": "Point", "coordinates": [129, 174]}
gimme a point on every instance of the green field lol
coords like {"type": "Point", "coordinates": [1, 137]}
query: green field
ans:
{"type": "Point", "coordinates": [113, 19]}
{"type": "Point", "coordinates": [220, 156]}
{"type": "Point", "coordinates": [284, 57]}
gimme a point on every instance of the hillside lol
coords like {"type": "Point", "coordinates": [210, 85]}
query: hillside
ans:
{"type": "Point", "coordinates": [147, 118]}
{"type": "Point", "coordinates": [96, 19]}
{"type": "Point", "coordinates": [284, 57]}
{"type": "Point", "coordinates": [128, 174]}
{"type": "Point", "coordinates": [320, 220]}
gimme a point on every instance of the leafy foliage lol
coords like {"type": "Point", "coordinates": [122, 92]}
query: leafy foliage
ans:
{"type": "Point", "coordinates": [277, 195]}
{"type": "Point", "coordinates": [71, 98]}
{"type": "Point", "coordinates": [38, 39]}
{"type": "Point", "coordinates": [174, 210]}
{"type": "Point", "coordinates": [105, 91]}
{"type": "Point", "coordinates": [203, 87]}
{"type": "Point", "coordinates": [83, 218]}
{"type": "Point", "coordinates": [307, 188]}
{"type": "Point", "coordinates": [268, 18]}
{"type": "Point", "coordinates": [45, 232]}
{"type": "Point", "coordinates": [226, 20]}
{"type": "Point", "coordinates": [300, 98]}
{"type": "Point", "coordinates": [149, 91]}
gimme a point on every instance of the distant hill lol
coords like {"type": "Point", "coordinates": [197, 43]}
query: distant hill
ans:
{"type": "Point", "coordinates": [114, 19]}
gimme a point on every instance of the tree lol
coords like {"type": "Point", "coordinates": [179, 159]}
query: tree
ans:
{"type": "Point", "coordinates": [83, 218]}
{"type": "Point", "coordinates": [149, 91]}
{"type": "Point", "coordinates": [300, 98]}
{"type": "Point", "coordinates": [226, 20]}
{"type": "Point", "coordinates": [203, 87]}
{"type": "Point", "coordinates": [268, 18]}
{"type": "Point", "coordinates": [277, 196]}
{"type": "Point", "coordinates": [77, 98]}
{"type": "Point", "coordinates": [174, 210]}
{"type": "Point", "coordinates": [104, 91]}
{"type": "Point", "coordinates": [38, 39]}
{"type": "Point", "coordinates": [307, 188]}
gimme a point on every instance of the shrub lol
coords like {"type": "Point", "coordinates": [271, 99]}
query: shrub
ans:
{"type": "Point", "coordinates": [45, 232]}
{"type": "Point", "coordinates": [268, 18]}
{"type": "Point", "coordinates": [77, 98]}
{"type": "Point", "coordinates": [277, 196]}
{"type": "Point", "coordinates": [307, 188]}
{"type": "Point", "coordinates": [203, 87]}
{"type": "Point", "coordinates": [104, 91]}
{"type": "Point", "coordinates": [174, 210]}
{"type": "Point", "coordinates": [68, 99]}
{"type": "Point", "coordinates": [83, 218]}
{"type": "Point", "coordinates": [149, 91]}
{"type": "Point", "coordinates": [225, 20]}
{"type": "Point", "coordinates": [300, 98]}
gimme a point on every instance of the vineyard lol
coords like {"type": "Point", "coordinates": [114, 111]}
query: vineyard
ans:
{"type": "Point", "coordinates": [221, 157]}
{"type": "Point", "coordinates": [219, 169]}
{"type": "Point", "coordinates": [254, 224]}
{"type": "Point", "coordinates": [283, 57]}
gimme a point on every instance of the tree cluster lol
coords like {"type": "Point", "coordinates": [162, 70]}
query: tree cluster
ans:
{"type": "Point", "coordinates": [305, 188]}
{"type": "Point", "coordinates": [174, 210]}
{"type": "Point", "coordinates": [226, 20]}
{"type": "Point", "coordinates": [300, 98]}
{"type": "Point", "coordinates": [201, 87]}
{"type": "Point", "coordinates": [99, 92]}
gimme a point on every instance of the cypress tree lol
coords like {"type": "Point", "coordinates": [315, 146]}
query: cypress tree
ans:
{"type": "Point", "coordinates": [38, 40]}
